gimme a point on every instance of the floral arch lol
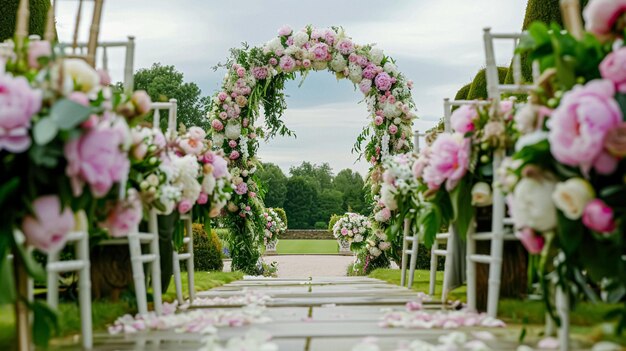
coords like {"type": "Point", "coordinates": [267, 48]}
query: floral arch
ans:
{"type": "Point", "coordinates": [256, 78]}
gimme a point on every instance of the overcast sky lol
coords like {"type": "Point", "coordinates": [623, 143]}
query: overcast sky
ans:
{"type": "Point", "coordinates": [436, 43]}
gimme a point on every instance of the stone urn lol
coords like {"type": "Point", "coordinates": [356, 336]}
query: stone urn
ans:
{"type": "Point", "coordinates": [270, 246]}
{"type": "Point", "coordinates": [344, 246]}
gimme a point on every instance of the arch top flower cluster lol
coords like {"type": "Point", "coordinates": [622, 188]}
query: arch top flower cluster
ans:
{"type": "Point", "coordinates": [255, 80]}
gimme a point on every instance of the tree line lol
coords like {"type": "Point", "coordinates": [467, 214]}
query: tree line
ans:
{"type": "Point", "coordinates": [311, 193]}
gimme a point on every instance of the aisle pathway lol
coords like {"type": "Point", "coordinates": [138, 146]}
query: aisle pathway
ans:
{"type": "Point", "coordinates": [315, 314]}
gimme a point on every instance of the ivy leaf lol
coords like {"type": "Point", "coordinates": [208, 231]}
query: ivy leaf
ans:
{"type": "Point", "coordinates": [45, 130]}
{"type": "Point", "coordinates": [46, 321]}
{"type": "Point", "coordinates": [430, 222]}
{"type": "Point", "coordinates": [570, 233]}
{"type": "Point", "coordinates": [67, 114]}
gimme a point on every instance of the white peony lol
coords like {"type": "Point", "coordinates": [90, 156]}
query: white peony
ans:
{"type": "Point", "coordinates": [391, 110]}
{"type": "Point", "coordinates": [530, 139]}
{"type": "Point", "coordinates": [481, 194]}
{"type": "Point", "coordinates": [208, 184]}
{"type": "Point", "coordinates": [84, 77]}
{"type": "Point", "coordinates": [376, 55]}
{"type": "Point", "coordinates": [358, 238]}
{"type": "Point", "coordinates": [218, 139]}
{"type": "Point", "coordinates": [320, 65]}
{"type": "Point", "coordinates": [526, 119]}
{"type": "Point", "coordinates": [232, 130]}
{"type": "Point", "coordinates": [273, 45]}
{"type": "Point", "coordinates": [356, 73]}
{"type": "Point", "coordinates": [572, 196]}
{"type": "Point", "coordinates": [532, 205]}
{"type": "Point", "coordinates": [338, 63]}
{"type": "Point", "coordinates": [388, 196]}
{"type": "Point", "coordinates": [300, 39]}
{"type": "Point", "coordinates": [390, 68]}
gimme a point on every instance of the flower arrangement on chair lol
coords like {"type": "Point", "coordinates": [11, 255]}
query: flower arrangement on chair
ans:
{"type": "Point", "coordinates": [274, 228]}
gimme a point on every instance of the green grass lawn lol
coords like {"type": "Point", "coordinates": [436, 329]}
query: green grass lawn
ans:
{"type": "Point", "coordinates": [307, 247]}
{"type": "Point", "coordinates": [106, 312]}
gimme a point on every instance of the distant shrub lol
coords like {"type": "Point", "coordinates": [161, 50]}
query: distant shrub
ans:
{"type": "Point", "coordinates": [321, 225]}
{"type": "Point", "coordinates": [207, 250]}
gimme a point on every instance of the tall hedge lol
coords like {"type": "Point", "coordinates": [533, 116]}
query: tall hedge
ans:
{"type": "Point", "coordinates": [478, 89]}
{"type": "Point", "coordinates": [8, 16]}
{"type": "Point", "coordinates": [546, 11]}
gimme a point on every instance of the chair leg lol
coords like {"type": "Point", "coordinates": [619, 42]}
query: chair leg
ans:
{"type": "Point", "coordinates": [471, 272]}
{"type": "Point", "coordinates": [433, 268]}
{"type": "Point", "coordinates": [562, 306]}
{"type": "Point", "coordinates": [177, 279]}
{"type": "Point", "coordinates": [190, 265]}
{"type": "Point", "coordinates": [404, 255]}
{"type": "Point", "coordinates": [495, 273]}
{"type": "Point", "coordinates": [84, 277]}
{"type": "Point", "coordinates": [138, 273]}
{"type": "Point", "coordinates": [447, 271]}
{"type": "Point", "coordinates": [156, 265]}
{"type": "Point", "coordinates": [52, 296]}
{"type": "Point", "coordinates": [414, 248]}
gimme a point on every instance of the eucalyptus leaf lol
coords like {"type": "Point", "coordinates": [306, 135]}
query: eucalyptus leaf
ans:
{"type": "Point", "coordinates": [67, 114]}
{"type": "Point", "coordinates": [45, 323]}
{"type": "Point", "coordinates": [45, 130]}
{"type": "Point", "coordinates": [461, 198]}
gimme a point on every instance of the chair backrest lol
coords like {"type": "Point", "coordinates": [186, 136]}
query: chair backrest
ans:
{"type": "Point", "coordinates": [416, 141]}
{"type": "Point", "coordinates": [494, 88]}
{"type": "Point", "coordinates": [171, 107]}
{"type": "Point", "coordinates": [77, 49]}
{"type": "Point", "coordinates": [447, 109]}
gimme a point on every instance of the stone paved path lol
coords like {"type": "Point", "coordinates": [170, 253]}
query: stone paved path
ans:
{"type": "Point", "coordinates": [318, 314]}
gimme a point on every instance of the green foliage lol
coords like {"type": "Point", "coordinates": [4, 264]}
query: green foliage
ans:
{"type": "Point", "coordinates": [463, 92]}
{"type": "Point", "coordinates": [283, 216]}
{"type": "Point", "coordinates": [8, 16]}
{"type": "Point", "coordinates": [321, 225]}
{"type": "Point", "coordinates": [275, 181]}
{"type": "Point", "coordinates": [329, 202]}
{"type": "Point", "coordinates": [321, 176]}
{"type": "Point", "coordinates": [478, 89]}
{"type": "Point", "coordinates": [301, 202]}
{"type": "Point", "coordinates": [333, 219]}
{"type": "Point", "coordinates": [207, 250]}
{"type": "Point", "coordinates": [165, 82]}
{"type": "Point", "coordinates": [352, 186]}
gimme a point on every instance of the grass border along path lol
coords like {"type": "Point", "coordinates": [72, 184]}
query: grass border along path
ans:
{"type": "Point", "coordinates": [307, 247]}
{"type": "Point", "coordinates": [106, 312]}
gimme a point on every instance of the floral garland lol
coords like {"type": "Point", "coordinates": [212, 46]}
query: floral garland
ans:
{"type": "Point", "coordinates": [566, 178]}
{"type": "Point", "coordinates": [256, 76]}
{"type": "Point", "coordinates": [64, 143]}
{"type": "Point", "coordinates": [274, 226]}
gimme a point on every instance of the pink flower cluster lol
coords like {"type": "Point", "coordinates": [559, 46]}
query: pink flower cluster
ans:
{"type": "Point", "coordinates": [18, 103]}
{"type": "Point", "coordinates": [448, 161]}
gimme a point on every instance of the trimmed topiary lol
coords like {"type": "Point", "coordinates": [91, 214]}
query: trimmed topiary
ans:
{"type": "Point", "coordinates": [8, 15]}
{"type": "Point", "coordinates": [478, 89]}
{"type": "Point", "coordinates": [463, 92]}
{"type": "Point", "coordinates": [207, 250]}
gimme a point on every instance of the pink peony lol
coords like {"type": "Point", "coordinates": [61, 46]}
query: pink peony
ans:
{"type": "Point", "coordinates": [370, 72]}
{"type": "Point", "coordinates": [105, 78]}
{"type": "Point", "coordinates": [184, 206]}
{"type": "Point", "coordinates": [287, 63]}
{"type": "Point", "coordinates": [273, 61]}
{"type": "Point", "coordinates": [601, 16]}
{"type": "Point", "coordinates": [79, 97]}
{"type": "Point", "coordinates": [217, 125]}
{"type": "Point", "coordinates": [385, 214]}
{"type": "Point", "coordinates": [234, 155]}
{"type": "Point", "coordinates": [285, 31]}
{"type": "Point", "coordinates": [613, 68]}
{"type": "Point", "coordinates": [344, 231]}
{"type": "Point", "coordinates": [18, 104]}
{"type": "Point", "coordinates": [220, 167]}
{"type": "Point", "coordinates": [222, 96]}
{"type": "Point", "coordinates": [598, 216]}
{"type": "Point", "coordinates": [462, 119]}
{"type": "Point", "coordinates": [142, 101]}
{"type": "Point", "coordinates": [306, 63]}
{"type": "Point", "coordinates": [124, 217]}
{"type": "Point", "coordinates": [532, 241]}
{"type": "Point", "coordinates": [191, 146]}
{"type": "Point", "coordinates": [320, 52]}
{"type": "Point", "coordinates": [197, 133]}
{"type": "Point", "coordinates": [241, 188]}
{"type": "Point", "coordinates": [580, 124]}
{"type": "Point", "coordinates": [260, 72]}
{"type": "Point", "coordinates": [96, 158]}
{"type": "Point", "coordinates": [383, 81]}
{"type": "Point", "coordinates": [365, 86]}
{"type": "Point", "coordinates": [37, 49]}
{"type": "Point", "coordinates": [393, 129]}
{"type": "Point", "coordinates": [449, 161]}
{"type": "Point", "coordinates": [345, 46]}
{"type": "Point", "coordinates": [232, 143]}
{"type": "Point", "coordinates": [378, 120]}
{"type": "Point", "coordinates": [241, 72]}
{"type": "Point", "coordinates": [47, 228]}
